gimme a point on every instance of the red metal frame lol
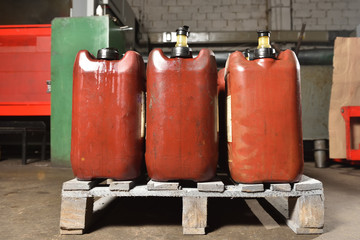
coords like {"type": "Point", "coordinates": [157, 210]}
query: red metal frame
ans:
{"type": "Point", "coordinates": [347, 113]}
{"type": "Point", "coordinates": [25, 53]}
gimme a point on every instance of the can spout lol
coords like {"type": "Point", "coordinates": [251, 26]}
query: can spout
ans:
{"type": "Point", "coordinates": [182, 34]}
{"type": "Point", "coordinates": [181, 48]}
{"type": "Point", "coordinates": [263, 39]}
{"type": "Point", "coordinates": [264, 49]}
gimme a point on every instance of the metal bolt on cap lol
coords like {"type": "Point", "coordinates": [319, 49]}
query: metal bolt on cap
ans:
{"type": "Point", "coordinates": [108, 54]}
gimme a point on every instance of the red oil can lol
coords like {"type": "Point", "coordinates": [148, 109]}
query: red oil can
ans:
{"type": "Point", "coordinates": [107, 139]}
{"type": "Point", "coordinates": [181, 133]}
{"type": "Point", "coordinates": [264, 117]}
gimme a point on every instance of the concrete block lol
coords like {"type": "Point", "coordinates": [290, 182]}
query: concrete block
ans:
{"type": "Point", "coordinates": [281, 187]}
{"type": "Point", "coordinates": [250, 24]}
{"type": "Point", "coordinates": [154, 185]}
{"type": "Point", "coordinates": [251, 187]}
{"type": "Point", "coordinates": [307, 184]}
{"type": "Point", "coordinates": [213, 186]}
{"type": "Point", "coordinates": [74, 185]}
{"type": "Point", "coordinates": [121, 185]}
{"type": "Point", "coordinates": [221, 9]}
{"type": "Point", "coordinates": [318, 13]}
{"type": "Point", "coordinates": [75, 214]}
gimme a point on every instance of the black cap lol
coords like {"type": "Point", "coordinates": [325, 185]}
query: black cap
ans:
{"type": "Point", "coordinates": [108, 54]}
{"type": "Point", "coordinates": [263, 33]}
{"type": "Point", "coordinates": [184, 30]}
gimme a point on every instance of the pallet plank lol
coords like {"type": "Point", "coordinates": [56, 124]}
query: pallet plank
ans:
{"type": "Point", "coordinates": [306, 183]}
{"type": "Point", "coordinates": [74, 184]}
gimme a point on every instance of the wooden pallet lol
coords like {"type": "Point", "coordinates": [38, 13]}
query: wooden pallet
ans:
{"type": "Point", "coordinates": [301, 204]}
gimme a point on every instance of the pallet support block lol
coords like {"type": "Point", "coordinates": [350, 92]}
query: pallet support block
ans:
{"type": "Point", "coordinates": [304, 214]}
{"type": "Point", "coordinates": [194, 217]}
{"type": "Point", "coordinates": [75, 214]}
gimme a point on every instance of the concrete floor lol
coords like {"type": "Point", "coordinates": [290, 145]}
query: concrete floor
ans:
{"type": "Point", "coordinates": [30, 209]}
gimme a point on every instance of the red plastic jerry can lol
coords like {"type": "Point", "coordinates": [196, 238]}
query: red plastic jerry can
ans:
{"type": "Point", "coordinates": [181, 133]}
{"type": "Point", "coordinates": [107, 139]}
{"type": "Point", "coordinates": [264, 116]}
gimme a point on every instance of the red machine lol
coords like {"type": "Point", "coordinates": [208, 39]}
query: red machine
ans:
{"type": "Point", "coordinates": [24, 70]}
{"type": "Point", "coordinates": [264, 116]}
{"type": "Point", "coordinates": [351, 115]}
{"type": "Point", "coordinates": [223, 154]}
{"type": "Point", "coordinates": [107, 139]}
{"type": "Point", "coordinates": [181, 135]}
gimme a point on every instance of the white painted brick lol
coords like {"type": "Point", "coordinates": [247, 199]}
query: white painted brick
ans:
{"type": "Point", "coordinates": [302, 13]}
{"type": "Point", "coordinates": [191, 23]}
{"type": "Point", "coordinates": [262, 24]}
{"type": "Point", "coordinates": [204, 25]}
{"type": "Point", "coordinates": [354, 21]}
{"type": "Point", "coordinates": [301, 1]}
{"type": "Point", "coordinates": [324, 5]}
{"type": "Point", "coordinates": [243, 15]}
{"type": "Point", "coordinates": [207, 2]}
{"type": "Point", "coordinates": [250, 24]}
{"type": "Point", "coordinates": [354, 4]}
{"type": "Point", "coordinates": [153, 2]}
{"type": "Point", "coordinates": [153, 17]}
{"type": "Point", "coordinates": [347, 27]}
{"type": "Point", "coordinates": [219, 24]}
{"type": "Point", "coordinates": [325, 21]}
{"type": "Point", "coordinates": [340, 5]}
{"type": "Point", "coordinates": [169, 16]}
{"type": "Point", "coordinates": [228, 2]}
{"type": "Point", "coordinates": [229, 15]}
{"type": "Point", "coordinates": [156, 10]}
{"type": "Point", "coordinates": [175, 9]}
{"type": "Point", "coordinates": [198, 16]}
{"type": "Point", "coordinates": [341, 21]}
{"type": "Point", "coordinates": [213, 16]}
{"type": "Point", "coordinates": [191, 9]}
{"type": "Point", "coordinates": [318, 13]}
{"type": "Point", "coordinates": [184, 16]}
{"type": "Point", "coordinates": [183, 2]}
{"type": "Point", "coordinates": [232, 24]}
{"type": "Point", "coordinates": [206, 9]}
{"type": "Point", "coordinates": [169, 2]}
{"type": "Point", "coordinates": [221, 9]}
{"type": "Point", "coordinates": [174, 24]}
{"type": "Point", "coordinates": [159, 25]}
{"type": "Point", "coordinates": [258, 14]}
{"type": "Point", "coordinates": [351, 13]}
{"type": "Point", "coordinates": [334, 13]}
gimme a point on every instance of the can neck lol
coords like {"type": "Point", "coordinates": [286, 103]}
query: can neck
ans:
{"type": "Point", "coordinates": [264, 42]}
{"type": "Point", "coordinates": [181, 41]}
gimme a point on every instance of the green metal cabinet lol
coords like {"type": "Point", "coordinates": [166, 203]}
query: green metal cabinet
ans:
{"type": "Point", "coordinates": [69, 35]}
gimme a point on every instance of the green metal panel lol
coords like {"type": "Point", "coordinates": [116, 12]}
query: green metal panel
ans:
{"type": "Point", "coordinates": [70, 35]}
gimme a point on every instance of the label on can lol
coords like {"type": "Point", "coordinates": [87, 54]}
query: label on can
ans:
{"type": "Point", "coordinates": [142, 114]}
{"type": "Point", "coordinates": [228, 118]}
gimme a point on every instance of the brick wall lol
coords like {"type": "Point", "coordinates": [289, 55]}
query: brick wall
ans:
{"type": "Point", "coordinates": [243, 15]}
